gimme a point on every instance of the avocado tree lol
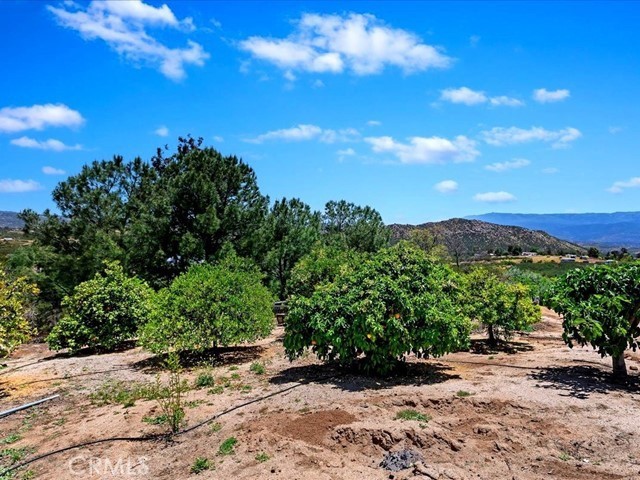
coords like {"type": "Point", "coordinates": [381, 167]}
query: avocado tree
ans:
{"type": "Point", "coordinates": [392, 303]}
{"type": "Point", "coordinates": [500, 307]}
{"type": "Point", "coordinates": [600, 307]}
{"type": "Point", "coordinates": [15, 296]}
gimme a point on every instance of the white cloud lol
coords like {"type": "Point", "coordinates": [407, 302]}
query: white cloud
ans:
{"type": "Point", "coordinates": [304, 132]}
{"type": "Point", "coordinates": [542, 95]}
{"type": "Point", "coordinates": [504, 166]}
{"type": "Point", "coordinates": [374, 123]}
{"type": "Point", "coordinates": [504, 101]}
{"type": "Point", "coordinates": [318, 83]}
{"type": "Point", "coordinates": [359, 43]}
{"type": "Point", "coordinates": [618, 187]}
{"type": "Point", "coordinates": [348, 152]}
{"type": "Point", "coordinates": [53, 171]}
{"type": "Point", "coordinates": [550, 170]}
{"type": "Point", "coordinates": [122, 26]}
{"type": "Point", "coordinates": [614, 130]}
{"type": "Point", "coordinates": [288, 75]}
{"type": "Point", "coordinates": [463, 95]}
{"type": "Point", "coordinates": [162, 131]}
{"type": "Point", "coordinates": [467, 96]}
{"type": "Point", "coordinates": [38, 117]}
{"type": "Point", "coordinates": [446, 186]}
{"type": "Point", "coordinates": [500, 136]}
{"type": "Point", "coordinates": [50, 144]}
{"type": "Point", "coordinates": [427, 150]}
{"type": "Point", "coordinates": [18, 186]}
{"type": "Point", "coordinates": [218, 138]}
{"type": "Point", "coordinates": [474, 40]}
{"type": "Point", "coordinates": [494, 197]}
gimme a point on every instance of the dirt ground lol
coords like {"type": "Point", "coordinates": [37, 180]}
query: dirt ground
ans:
{"type": "Point", "coordinates": [539, 410]}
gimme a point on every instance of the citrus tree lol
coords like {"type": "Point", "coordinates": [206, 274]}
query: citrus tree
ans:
{"type": "Point", "coordinates": [102, 312]}
{"type": "Point", "coordinates": [392, 303]}
{"type": "Point", "coordinates": [500, 307]}
{"type": "Point", "coordinates": [601, 307]}
{"type": "Point", "coordinates": [210, 306]}
{"type": "Point", "coordinates": [15, 296]}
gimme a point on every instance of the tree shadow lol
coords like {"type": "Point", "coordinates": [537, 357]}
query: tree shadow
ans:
{"type": "Point", "coordinates": [92, 351]}
{"type": "Point", "coordinates": [352, 380]}
{"type": "Point", "coordinates": [214, 357]}
{"type": "Point", "coordinates": [483, 347]}
{"type": "Point", "coordinates": [581, 381]}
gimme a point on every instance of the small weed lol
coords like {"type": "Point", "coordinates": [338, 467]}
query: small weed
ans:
{"type": "Point", "coordinates": [60, 421]}
{"type": "Point", "coordinates": [262, 457]}
{"type": "Point", "coordinates": [194, 403]}
{"type": "Point", "coordinates": [215, 427]}
{"type": "Point", "coordinates": [200, 465]}
{"type": "Point", "coordinates": [224, 381]}
{"type": "Point", "coordinates": [204, 380]}
{"type": "Point", "coordinates": [490, 357]}
{"type": "Point", "coordinates": [245, 388]}
{"type": "Point", "coordinates": [126, 394]}
{"type": "Point", "coordinates": [412, 415]}
{"type": "Point", "coordinates": [258, 368]}
{"type": "Point", "coordinates": [565, 457]}
{"type": "Point", "coordinates": [13, 438]}
{"type": "Point", "coordinates": [233, 368]}
{"type": "Point", "coordinates": [463, 393]}
{"type": "Point", "coordinates": [235, 376]}
{"type": "Point", "coordinates": [217, 390]}
{"type": "Point", "coordinates": [157, 420]}
{"type": "Point", "coordinates": [227, 447]}
{"type": "Point", "coordinates": [14, 455]}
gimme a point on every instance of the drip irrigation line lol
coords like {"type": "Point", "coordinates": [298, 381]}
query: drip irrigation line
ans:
{"type": "Point", "coordinates": [165, 436]}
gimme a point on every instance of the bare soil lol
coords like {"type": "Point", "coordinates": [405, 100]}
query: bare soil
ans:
{"type": "Point", "coordinates": [535, 409]}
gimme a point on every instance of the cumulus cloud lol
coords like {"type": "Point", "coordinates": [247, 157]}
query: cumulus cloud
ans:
{"type": "Point", "coordinates": [500, 136]}
{"type": "Point", "coordinates": [542, 95]}
{"type": "Point", "coordinates": [122, 25]}
{"type": "Point", "coordinates": [374, 123]}
{"type": "Point", "coordinates": [162, 131]}
{"type": "Point", "coordinates": [446, 186]}
{"type": "Point", "coordinates": [494, 197]}
{"type": "Point", "coordinates": [358, 43]}
{"type": "Point", "coordinates": [38, 117]}
{"type": "Point", "coordinates": [18, 186]}
{"type": "Point", "coordinates": [618, 187]}
{"type": "Point", "coordinates": [50, 144]}
{"type": "Point", "coordinates": [467, 96]}
{"type": "Point", "coordinates": [504, 166]}
{"type": "Point", "coordinates": [427, 150]}
{"type": "Point", "coordinates": [53, 171]}
{"type": "Point", "coordinates": [305, 132]}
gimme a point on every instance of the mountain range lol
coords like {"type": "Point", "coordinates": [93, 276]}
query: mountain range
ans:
{"type": "Point", "coordinates": [609, 230]}
{"type": "Point", "coordinates": [10, 220]}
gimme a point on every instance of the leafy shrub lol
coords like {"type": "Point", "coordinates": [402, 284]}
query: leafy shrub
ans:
{"type": "Point", "coordinates": [204, 379]}
{"type": "Point", "coordinates": [601, 307]}
{"type": "Point", "coordinates": [227, 447]}
{"type": "Point", "coordinates": [539, 286]}
{"type": "Point", "coordinates": [200, 465]}
{"type": "Point", "coordinates": [395, 302]}
{"type": "Point", "coordinates": [410, 414]}
{"type": "Point", "coordinates": [210, 306]}
{"type": "Point", "coordinates": [15, 296]}
{"type": "Point", "coordinates": [258, 368]}
{"type": "Point", "coordinates": [500, 307]}
{"type": "Point", "coordinates": [102, 312]}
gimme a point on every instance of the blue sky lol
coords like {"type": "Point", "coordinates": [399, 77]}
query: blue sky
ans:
{"type": "Point", "coordinates": [423, 110]}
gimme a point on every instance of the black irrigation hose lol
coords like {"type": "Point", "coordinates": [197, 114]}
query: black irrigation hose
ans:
{"type": "Point", "coordinates": [165, 436]}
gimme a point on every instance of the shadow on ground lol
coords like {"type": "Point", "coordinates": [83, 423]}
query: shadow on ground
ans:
{"type": "Point", "coordinates": [483, 347]}
{"type": "Point", "coordinates": [215, 357]}
{"type": "Point", "coordinates": [581, 381]}
{"type": "Point", "coordinates": [414, 374]}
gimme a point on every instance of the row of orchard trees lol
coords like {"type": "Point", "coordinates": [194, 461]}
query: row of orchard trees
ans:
{"type": "Point", "coordinates": [195, 255]}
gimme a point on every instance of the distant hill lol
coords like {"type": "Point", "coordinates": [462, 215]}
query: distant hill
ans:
{"type": "Point", "coordinates": [620, 229]}
{"type": "Point", "coordinates": [471, 237]}
{"type": "Point", "coordinates": [10, 220]}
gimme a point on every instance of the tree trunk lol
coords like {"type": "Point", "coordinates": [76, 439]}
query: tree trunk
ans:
{"type": "Point", "coordinates": [492, 336]}
{"type": "Point", "coordinates": [619, 366]}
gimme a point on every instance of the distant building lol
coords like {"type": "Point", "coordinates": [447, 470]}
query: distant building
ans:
{"type": "Point", "coordinates": [529, 254]}
{"type": "Point", "coordinates": [568, 259]}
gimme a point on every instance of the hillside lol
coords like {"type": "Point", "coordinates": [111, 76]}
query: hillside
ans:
{"type": "Point", "coordinates": [470, 237]}
{"type": "Point", "coordinates": [10, 220]}
{"type": "Point", "coordinates": [619, 229]}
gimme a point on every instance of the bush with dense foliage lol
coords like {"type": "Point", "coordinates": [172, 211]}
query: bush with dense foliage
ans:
{"type": "Point", "coordinates": [539, 286]}
{"type": "Point", "coordinates": [500, 307]}
{"type": "Point", "coordinates": [15, 298]}
{"type": "Point", "coordinates": [210, 306]}
{"type": "Point", "coordinates": [601, 307]}
{"type": "Point", "coordinates": [102, 312]}
{"type": "Point", "coordinates": [395, 302]}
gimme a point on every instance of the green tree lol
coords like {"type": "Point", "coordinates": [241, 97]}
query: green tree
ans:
{"type": "Point", "coordinates": [500, 307]}
{"type": "Point", "coordinates": [102, 312]}
{"type": "Point", "coordinates": [210, 306]}
{"type": "Point", "coordinates": [16, 295]}
{"type": "Point", "coordinates": [429, 243]}
{"type": "Point", "coordinates": [290, 231]}
{"type": "Point", "coordinates": [396, 302]}
{"type": "Point", "coordinates": [593, 252]}
{"type": "Point", "coordinates": [601, 307]}
{"type": "Point", "coordinates": [351, 226]}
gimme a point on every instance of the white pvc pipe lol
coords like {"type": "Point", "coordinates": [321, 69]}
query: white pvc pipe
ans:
{"type": "Point", "coordinates": [27, 405]}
